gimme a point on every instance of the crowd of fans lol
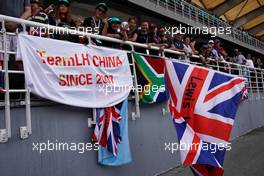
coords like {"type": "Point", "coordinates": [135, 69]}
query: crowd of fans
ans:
{"type": "Point", "coordinates": [209, 54]}
{"type": "Point", "coordinates": [131, 30]}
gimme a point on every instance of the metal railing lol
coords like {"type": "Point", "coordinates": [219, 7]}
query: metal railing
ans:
{"type": "Point", "coordinates": [254, 77]}
{"type": "Point", "coordinates": [202, 17]}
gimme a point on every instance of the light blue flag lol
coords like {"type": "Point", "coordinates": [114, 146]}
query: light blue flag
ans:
{"type": "Point", "coordinates": [123, 155]}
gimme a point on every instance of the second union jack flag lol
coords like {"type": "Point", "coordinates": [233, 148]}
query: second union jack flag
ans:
{"type": "Point", "coordinates": [107, 129]}
{"type": "Point", "coordinates": [203, 104]}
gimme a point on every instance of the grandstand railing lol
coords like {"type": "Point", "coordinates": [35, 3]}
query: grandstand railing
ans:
{"type": "Point", "coordinates": [254, 77]}
{"type": "Point", "coordinates": [192, 12]}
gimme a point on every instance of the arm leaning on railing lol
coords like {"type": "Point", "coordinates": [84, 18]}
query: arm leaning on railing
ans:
{"type": "Point", "coordinates": [100, 37]}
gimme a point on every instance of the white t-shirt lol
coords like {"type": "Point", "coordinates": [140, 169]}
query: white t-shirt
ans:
{"type": "Point", "coordinates": [188, 48]}
{"type": "Point", "coordinates": [250, 63]}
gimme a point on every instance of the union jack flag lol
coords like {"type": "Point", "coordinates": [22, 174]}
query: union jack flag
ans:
{"type": "Point", "coordinates": [203, 104]}
{"type": "Point", "coordinates": [107, 129]}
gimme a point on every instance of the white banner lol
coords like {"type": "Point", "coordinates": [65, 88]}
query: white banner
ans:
{"type": "Point", "coordinates": [74, 74]}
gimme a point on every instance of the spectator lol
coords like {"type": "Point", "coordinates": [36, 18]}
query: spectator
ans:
{"type": "Point", "coordinates": [177, 43]}
{"type": "Point", "coordinates": [259, 64]}
{"type": "Point", "coordinates": [188, 46]}
{"type": "Point", "coordinates": [63, 15]}
{"type": "Point", "coordinates": [214, 51]}
{"type": "Point", "coordinates": [64, 19]}
{"type": "Point", "coordinates": [50, 10]}
{"type": "Point", "coordinates": [249, 61]}
{"type": "Point", "coordinates": [15, 8]}
{"type": "Point", "coordinates": [143, 36]}
{"type": "Point", "coordinates": [38, 15]}
{"type": "Point", "coordinates": [239, 57]}
{"type": "Point", "coordinates": [220, 50]}
{"type": "Point", "coordinates": [132, 33]}
{"type": "Point", "coordinates": [153, 33]}
{"type": "Point", "coordinates": [164, 41]}
{"type": "Point", "coordinates": [154, 39]}
{"type": "Point", "coordinates": [19, 9]}
{"type": "Point", "coordinates": [95, 24]}
{"type": "Point", "coordinates": [217, 56]}
{"type": "Point", "coordinates": [206, 54]}
{"type": "Point", "coordinates": [113, 29]}
{"type": "Point", "coordinates": [143, 33]}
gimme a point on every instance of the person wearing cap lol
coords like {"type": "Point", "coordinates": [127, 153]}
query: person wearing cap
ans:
{"type": "Point", "coordinates": [64, 19]}
{"type": "Point", "coordinates": [63, 15]}
{"type": "Point", "coordinates": [38, 15]}
{"type": "Point", "coordinates": [113, 29]}
{"type": "Point", "coordinates": [97, 21]}
{"type": "Point", "coordinates": [177, 43]}
{"type": "Point", "coordinates": [214, 52]}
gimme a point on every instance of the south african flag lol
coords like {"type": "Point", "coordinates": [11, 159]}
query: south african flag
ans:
{"type": "Point", "coordinates": [150, 77]}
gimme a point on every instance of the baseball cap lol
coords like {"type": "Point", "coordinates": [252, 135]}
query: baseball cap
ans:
{"type": "Point", "coordinates": [102, 5]}
{"type": "Point", "coordinates": [115, 19]}
{"type": "Point", "coordinates": [210, 41]}
{"type": "Point", "coordinates": [64, 2]}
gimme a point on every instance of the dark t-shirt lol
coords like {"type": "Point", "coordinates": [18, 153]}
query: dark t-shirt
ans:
{"type": "Point", "coordinates": [178, 44]}
{"type": "Point", "coordinates": [131, 34]}
{"type": "Point", "coordinates": [143, 38]}
{"type": "Point", "coordinates": [97, 26]}
{"type": "Point", "coordinates": [154, 39]}
{"type": "Point", "coordinates": [112, 44]}
{"type": "Point", "coordinates": [68, 37]}
{"type": "Point", "coordinates": [14, 8]}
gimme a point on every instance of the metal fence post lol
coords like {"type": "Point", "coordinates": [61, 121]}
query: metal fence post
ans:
{"type": "Point", "coordinates": [137, 114]}
{"type": "Point", "coordinates": [257, 84]}
{"type": "Point", "coordinates": [262, 82]}
{"type": "Point", "coordinates": [7, 95]}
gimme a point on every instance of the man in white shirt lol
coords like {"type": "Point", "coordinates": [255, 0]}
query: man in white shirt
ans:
{"type": "Point", "coordinates": [249, 61]}
{"type": "Point", "coordinates": [239, 57]}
